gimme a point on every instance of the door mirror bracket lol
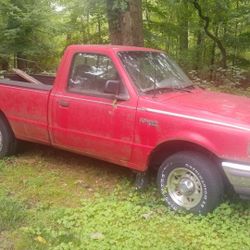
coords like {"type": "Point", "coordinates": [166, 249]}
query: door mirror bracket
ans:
{"type": "Point", "coordinates": [113, 87]}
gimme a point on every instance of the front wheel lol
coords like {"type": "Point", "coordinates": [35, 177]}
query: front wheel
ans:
{"type": "Point", "coordinates": [188, 181]}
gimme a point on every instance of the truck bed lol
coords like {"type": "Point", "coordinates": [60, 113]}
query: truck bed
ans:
{"type": "Point", "coordinates": [45, 79]}
{"type": "Point", "coordinates": [27, 85]}
{"type": "Point", "coordinates": [25, 105]}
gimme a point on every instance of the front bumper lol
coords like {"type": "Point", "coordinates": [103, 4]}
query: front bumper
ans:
{"type": "Point", "coordinates": [239, 176]}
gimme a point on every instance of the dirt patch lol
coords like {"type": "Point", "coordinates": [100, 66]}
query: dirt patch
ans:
{"type": "Point", "coordinates": [6, 242]}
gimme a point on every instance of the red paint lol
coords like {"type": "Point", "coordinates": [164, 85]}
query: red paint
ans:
{"type": "Point", "coordinates": [121, 133]}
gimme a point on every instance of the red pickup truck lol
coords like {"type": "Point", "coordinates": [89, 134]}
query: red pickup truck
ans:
{"type": "Point", "coordinates": [136, 108]}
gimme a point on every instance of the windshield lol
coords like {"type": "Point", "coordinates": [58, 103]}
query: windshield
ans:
{"type": "Point", "coordinates": [153, 70]}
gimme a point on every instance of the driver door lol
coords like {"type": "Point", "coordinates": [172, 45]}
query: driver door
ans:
{"type": "Point", "coordinates": [88, 120]}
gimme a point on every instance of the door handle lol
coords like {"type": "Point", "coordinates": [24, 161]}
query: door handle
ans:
{"type": "Point", "coordinates": [63, 103]}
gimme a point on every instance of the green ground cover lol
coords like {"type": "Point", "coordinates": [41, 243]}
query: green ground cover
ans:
{"type": "Point", "coordinates": [50, 199]}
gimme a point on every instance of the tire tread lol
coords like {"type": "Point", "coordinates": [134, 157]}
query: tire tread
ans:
{"type": "Point", "coordinates": [210, 173]}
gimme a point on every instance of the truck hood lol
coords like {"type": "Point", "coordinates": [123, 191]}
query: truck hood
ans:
{"type": "Point", "coordinates": [207, 105]}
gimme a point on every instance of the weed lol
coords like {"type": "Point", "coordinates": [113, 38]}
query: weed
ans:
{"type": "Point", "coordinates": [112, 222]}
{"type": "Point", "coordinates": [12, 213]}
{"type": "Point", "coordinates": [81, 203]}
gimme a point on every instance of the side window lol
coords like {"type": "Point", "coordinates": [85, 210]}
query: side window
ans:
{"type": "Point", "coordinates": [90, 72]}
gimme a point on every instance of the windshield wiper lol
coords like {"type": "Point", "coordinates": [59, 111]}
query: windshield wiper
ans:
{"type": "Point", "coordinates": [190, 86]}
{"type": "Point", "coordinates": [184, 89]}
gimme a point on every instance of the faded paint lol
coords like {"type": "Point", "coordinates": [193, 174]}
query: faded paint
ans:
{"type": "Point", "coordinates": [126, 132]}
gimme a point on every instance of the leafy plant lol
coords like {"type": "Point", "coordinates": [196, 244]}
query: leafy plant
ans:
{"type": "Point", "coordinates": [12, 213]}
{"type": "Point", "coordinates": [72, 202]}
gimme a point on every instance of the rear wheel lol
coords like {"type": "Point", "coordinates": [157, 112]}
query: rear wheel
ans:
{"type": "Point", "coordinates": [188, 181]}
{"type": "Point", "coordinates": [8, 141]}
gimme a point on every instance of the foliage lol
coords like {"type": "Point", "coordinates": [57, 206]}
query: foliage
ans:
{"type": "Point", "coordinates": [26, 32]}
{"type": "Point", "coordinates": [84, 22]}
{"type": "Point", "coordinates": [130, 223]}
{"type": "Point", "coordinates": [73, 202]}
{"type": "Point", "coordinates": [12, 212]}
{"type": "Point", "coordinates": [229, 22]}
{"type": "Point", "coordinates": [39, 30]}
{"type": "Point", "coordinates": [230, 77]}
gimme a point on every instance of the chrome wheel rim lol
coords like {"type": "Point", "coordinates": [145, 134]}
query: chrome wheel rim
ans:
{"type": "Point", "coordinates": [184, 187]}
{"type": "Point", "coordinates": [1, 141]}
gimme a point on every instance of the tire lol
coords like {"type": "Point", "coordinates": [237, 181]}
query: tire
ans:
{"type": "Point", "coordinates": [190, 182]}
{"type": "Point", "coordinates": [8, 142]}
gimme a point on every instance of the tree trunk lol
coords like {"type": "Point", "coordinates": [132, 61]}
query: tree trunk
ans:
{"type": "Point", "coordinates": [72, 22]}
{"type": "Point", "coordinates": [210, 35]}
{"type": "Point", "coordinates": [114, 21]}
{"type": "Point", "coordinates": [184, 37]}
{"type": "Point", "coordinates": [21, 62]}
{"type": "Point", "coordinates": [136, 24]}
{"type": "Point", "coordinates": [99, 28]}
{"type": "Point", "coordinates": [212, 62]}
{"type": "Point", "coordinates": [183, 21]}
{"type": "Point", "coordinates": [87, 27]}
{"type": "Point", "coordinates": [198, 50]}
{"type": "Point", "coordinates": [125, 24]}
{"type": "Point", "coordinates": [235, 49]}
{"type": "Point", "coordinates": [4, 63]}
{"type": "Point", "coordinates": [214, 48]}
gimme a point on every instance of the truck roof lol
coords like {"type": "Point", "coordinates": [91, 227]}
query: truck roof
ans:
{"type": "Point", "coordinates": [101, 47]}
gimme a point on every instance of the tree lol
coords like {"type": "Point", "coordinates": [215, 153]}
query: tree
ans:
{"type": "Point", "coordinates": [26, 31]}
{"type": "Point", "coordinates": [216, 40]}
{"type": "Point", "coordinates": [85, 21]}
{"type": "Point", "coordinates": [125, 22]}
{"type": "Point", "coordinates": [183, 21]}
{"type": "Point", "coordinates": [199, 34]}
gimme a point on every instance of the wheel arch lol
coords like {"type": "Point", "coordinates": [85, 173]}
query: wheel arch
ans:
{"type": "Point", "coordinates": [5, 119]}
{"type": "Point", "coordinates": [165, 149]}
{"type": "Point", "coordinates": [10, 141]}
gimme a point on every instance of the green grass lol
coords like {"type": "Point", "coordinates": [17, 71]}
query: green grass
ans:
{"type": "Point", "coordinates": [50, 199]}
{"type": "Point", "coordinates": [12, 213]}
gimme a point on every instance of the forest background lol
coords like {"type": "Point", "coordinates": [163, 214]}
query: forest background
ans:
{"type": "Point", "coordinates": [210, 39]}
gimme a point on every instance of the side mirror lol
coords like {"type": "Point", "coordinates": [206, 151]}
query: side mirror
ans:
{"type": "Point", "coordinates": [112, 87]}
